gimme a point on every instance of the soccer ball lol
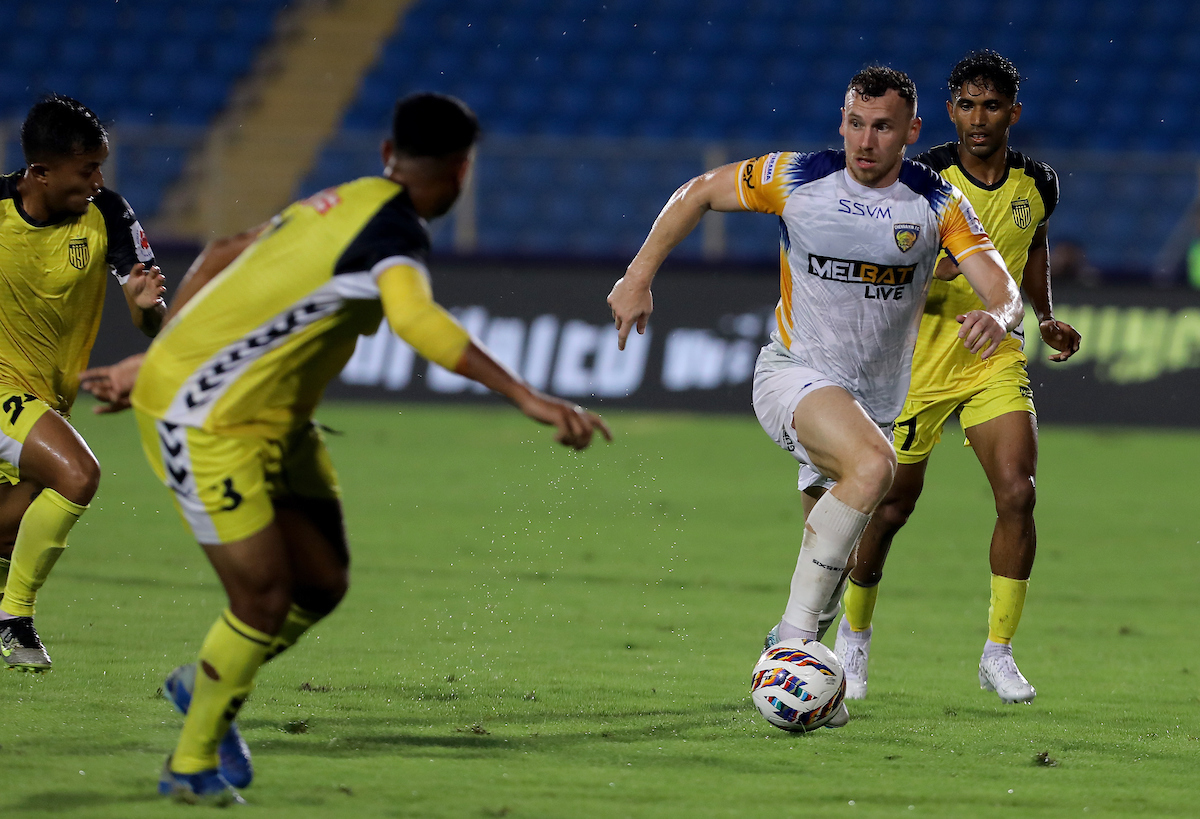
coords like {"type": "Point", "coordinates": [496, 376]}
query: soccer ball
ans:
{"type": "Point", "coordinates": [798, 685]}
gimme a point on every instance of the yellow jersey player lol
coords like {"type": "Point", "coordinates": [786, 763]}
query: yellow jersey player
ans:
{"type": "Point", "coordinates": [226, 393]}
{"type": "Point", "coordinates": [61, 234]}
{"type": "Point", "coordinates": [1014, 197]}
{"type": "Point", "coordinates": [860, 231]}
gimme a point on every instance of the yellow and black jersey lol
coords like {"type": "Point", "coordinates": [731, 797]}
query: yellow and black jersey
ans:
{"type": "Point", "coordinates": [252, 351]}
{"type": "Point", "coordinates": [1011, 212]}
{"type": "Point", "coordinates": [52, 277]}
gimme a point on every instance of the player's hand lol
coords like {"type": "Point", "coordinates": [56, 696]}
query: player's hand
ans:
{"type": "Point", "coordinates": [112, 384]}
{"type": "Point", "coordinates": [146, 286]}
{"type": "Point", "coordinates": [946, 269]}
{"type": "Point", "coordinates": [981, 332]}
{"type": "Point", "coordinates": [1061, 336]}
{"type": "Point", "coordinates": [631, 305]}
{"type": "Point", "coordinates": [575, 425]}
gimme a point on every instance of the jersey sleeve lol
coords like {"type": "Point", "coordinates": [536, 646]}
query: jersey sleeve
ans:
{"type": "Point", "coordinates": [1045, 180]}
{"type": "Point", "coordinates": [962, 233]}
{"type": "Point", "coordinates": [127, 242]}
{"type": "Point", "coordinates": [395, 231]}
{"type": "Point", "coordinates": [416, 318]}
{"type": "Point", "coordinates": [762, 185]}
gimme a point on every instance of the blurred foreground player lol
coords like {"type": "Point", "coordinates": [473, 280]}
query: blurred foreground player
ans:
{"type": "Point", "coordinates": [61, 234]}
{"type": "Point", "coordinates": [1014, 197]}
{"type": "Point", "coordinates": [860, 233]}
{"type": "Point", "coordinates": [225, 397]}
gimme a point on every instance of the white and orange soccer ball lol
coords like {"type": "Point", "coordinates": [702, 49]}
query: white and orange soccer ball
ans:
{"type": "Point", "coordinates": [798, 685]}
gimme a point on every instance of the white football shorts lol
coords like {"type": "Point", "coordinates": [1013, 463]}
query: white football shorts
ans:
{"type": "Point", "coordinates": [780, 384]}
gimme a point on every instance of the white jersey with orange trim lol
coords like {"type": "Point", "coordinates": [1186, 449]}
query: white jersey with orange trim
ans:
{"type": "Point", "coordinates": [855, 264]}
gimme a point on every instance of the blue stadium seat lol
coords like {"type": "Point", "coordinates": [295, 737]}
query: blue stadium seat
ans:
{"type": "Point", "coordinates": [58, 81]}
{"type": "Point", "coordinates": [724, 69]}
{"type": "Point", "coordinates": [79, 52]}
{"type": "Point", "coordinates": [253, 22]}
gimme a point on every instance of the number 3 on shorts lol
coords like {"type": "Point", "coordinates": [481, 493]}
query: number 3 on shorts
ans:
{"type": "Point", "coordinates": [233, 498]}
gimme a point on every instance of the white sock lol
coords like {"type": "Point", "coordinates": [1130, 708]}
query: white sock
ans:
{"type": "Point", "coordinates": [789, 632]}
{"type": "Point", "coordinates": [994, 649]}
{"type": "Point", "coordinates": [830, 533]}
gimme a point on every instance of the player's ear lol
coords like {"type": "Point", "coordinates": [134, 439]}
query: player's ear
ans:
{"type": "Point", "coordinates": [387, 152]}
{"type": "Point", "coordinates": [1015, 115]}
{"type": "Point", "coordinates": [39, 171]}
{"type": "Point", "coordinates": [842, 123]}
{"type": "Point", "coordinates": [914, 131]}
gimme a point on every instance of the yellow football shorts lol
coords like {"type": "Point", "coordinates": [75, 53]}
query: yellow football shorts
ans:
{"type": "Point", "coordinates": [19, 411]}
{"type": "Point", "coordinates": [919, 427]}
{"type": "Point", "coordinates": [225, 486]}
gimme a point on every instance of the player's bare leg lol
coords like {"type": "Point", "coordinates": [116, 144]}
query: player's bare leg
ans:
{"type": "Point", "coordinates": [847, 446]}
{"type": "Point", "coordinates": [320, 564]}
{"type": "Point", "coordinates": [1007, 449]}
{"type": "Point", "coordinates": [59, 477]}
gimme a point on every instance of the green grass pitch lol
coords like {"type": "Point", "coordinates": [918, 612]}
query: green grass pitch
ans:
{"type": "Point", "coordinates": [533, 632]}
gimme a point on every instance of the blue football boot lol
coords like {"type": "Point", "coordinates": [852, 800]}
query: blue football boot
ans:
{"type": "Point", "coordinates": [233, 753]}
{"type": "Point", "coordinates": [204, 788]}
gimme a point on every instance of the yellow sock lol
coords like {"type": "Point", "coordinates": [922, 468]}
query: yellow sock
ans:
{"type": "Point", "coordinates": [41, 539]}
{"type": "Point", "coordinates": [860, 605]}
{"type": "Point", "coordinates": [5, 563]}
{"type": "Point", "coordinates": [298, 621]}
{"type": "Point", "coordinates": [1004, 614]}
{"type": "Point", "coordinates": [229, 659]}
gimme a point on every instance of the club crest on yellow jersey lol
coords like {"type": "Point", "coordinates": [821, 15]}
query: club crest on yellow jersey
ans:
{"type": "Point", "coordinates": [906, 235]}
{"type": "Point", "coordinates": [1021, 213]}
{"type": "Point", "coordinates": [78, 253]}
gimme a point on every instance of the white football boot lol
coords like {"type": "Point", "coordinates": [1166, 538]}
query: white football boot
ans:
{"type": "Point", "coordinates": [840, 718]}
{"type": "Point", "coordinates": [998, 672]}
{"type": "Point", "coordinates": [853, 648]}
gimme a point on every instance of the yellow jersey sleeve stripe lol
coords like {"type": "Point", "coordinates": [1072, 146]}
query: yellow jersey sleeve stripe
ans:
{"type": "Point", "coordinates": [764, 183]}
{"type": "Point", "coordinates": [419, 320]}
{"type": "Point", "coordinates": [962, 232]}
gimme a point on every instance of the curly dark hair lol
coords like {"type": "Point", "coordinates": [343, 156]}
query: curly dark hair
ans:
{"type": "Point", "coordinates": [876, 80]}
{"type": "Point", "coordinates": [988, 70]}
{"type": "Point", "coordinates": [59, 126]}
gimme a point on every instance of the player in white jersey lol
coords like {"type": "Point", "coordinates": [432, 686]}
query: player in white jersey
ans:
{"type": "Point", "coordinates": [860, 233]}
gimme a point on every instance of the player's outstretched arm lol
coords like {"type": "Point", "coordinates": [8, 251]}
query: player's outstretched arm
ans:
{"type": "Point", "coordinates": [112, 384]}
{"type": "Point", "coordinates": [435, 334]}
{"type": "Point", "coordinates": [575, 425]}
{"type": "Point", "coordinates": [144, 289]}
{"type": "Point", "coordinates": [1035, 281]}
{"type": "Point", "coordinates": [630, 299]}
{"type": "Point", "coordinates": [983, 330]}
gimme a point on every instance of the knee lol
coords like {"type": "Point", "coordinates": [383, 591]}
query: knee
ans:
{"type": "Point", "coordinates": [875, 470]}
{"type": "Point", "coordinates": [261, 602]}
{"type": "Point", "coordinates": [79, 479]}
{"type": "Point", "coordinates": [323, 599]}
{"type": "Point", "coordinates": [895, 510]}
{"type": "Point", "coordinates": [1016, 496]}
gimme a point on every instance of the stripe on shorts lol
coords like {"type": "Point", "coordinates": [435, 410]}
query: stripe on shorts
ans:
{"type": "Point", "coordinates": [177, 464]}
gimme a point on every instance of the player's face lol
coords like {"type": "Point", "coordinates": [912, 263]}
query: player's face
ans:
{"type": "Point", "coordinates": [71, 182]}
{"type": "Point", "coordinates": [982, 117]}
{"type": "Point", "coordinates": [457, 167]}
{"type": "Point", "coordinates": [876, 132]}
